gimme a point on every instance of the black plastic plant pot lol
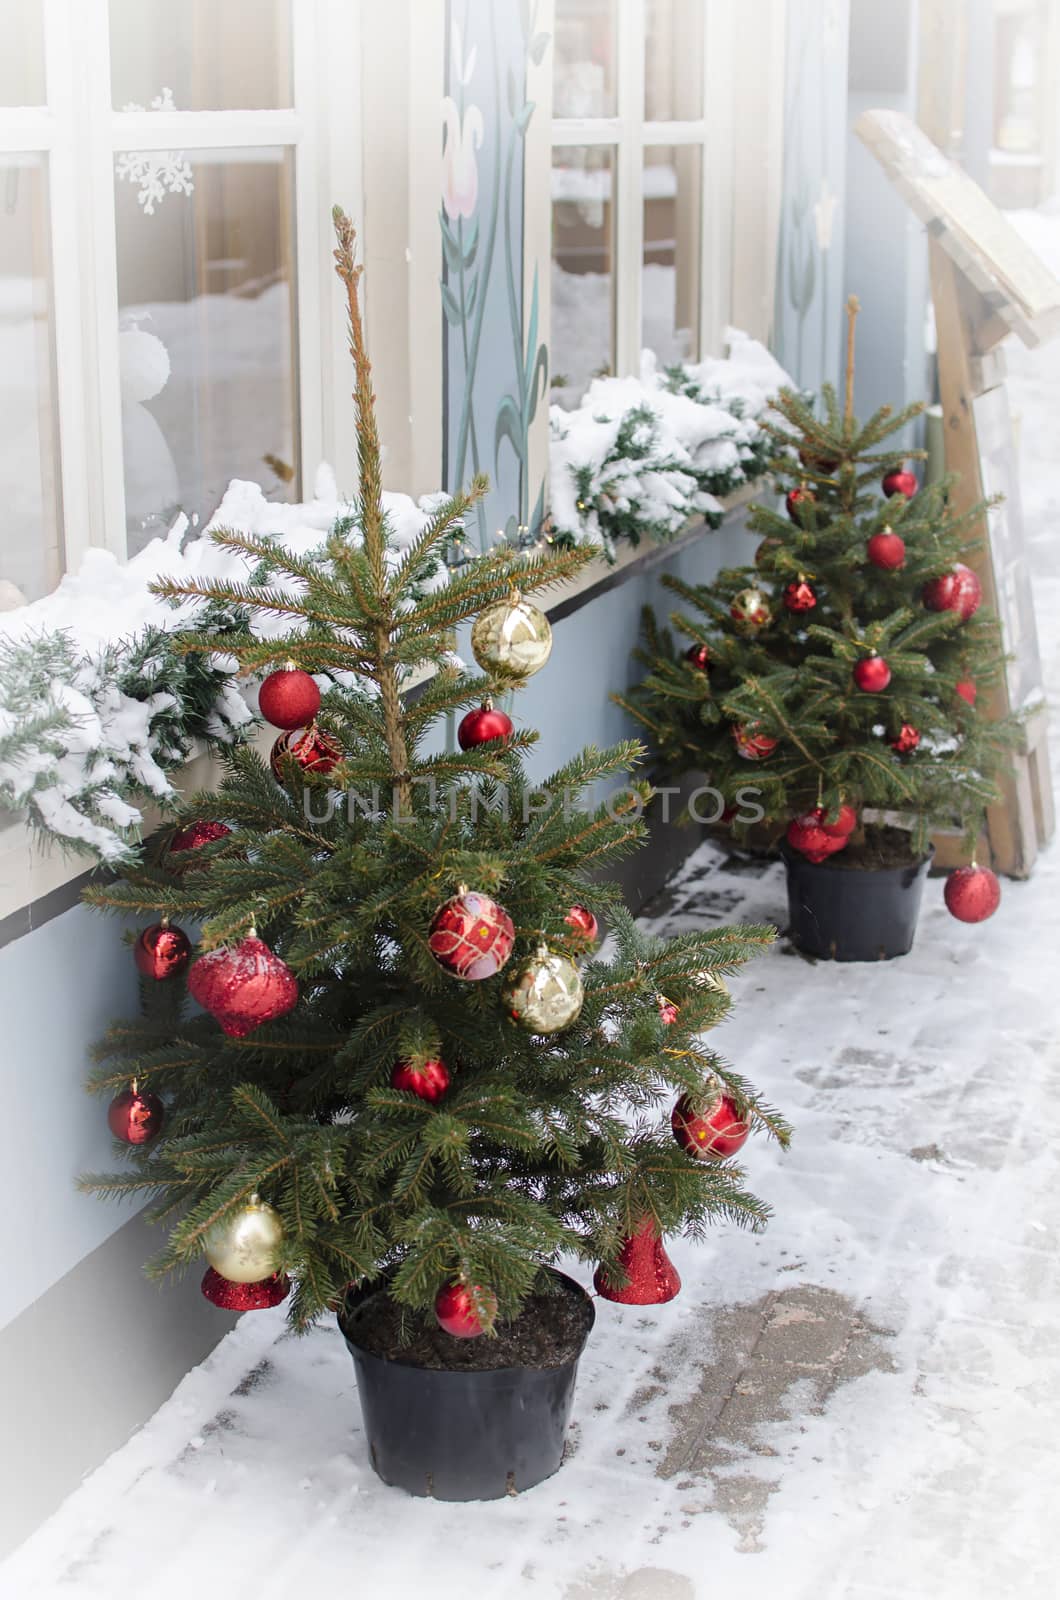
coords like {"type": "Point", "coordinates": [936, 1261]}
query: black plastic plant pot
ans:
{"type": "Point", "coordinates": [853, 914]}
{"type": "Point", "coordinates": [464, 1435]}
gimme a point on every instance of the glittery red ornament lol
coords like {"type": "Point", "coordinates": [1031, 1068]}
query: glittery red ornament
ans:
{"type": "Point", "coordinates": [483, 725]}
{"type": "Point", "coordinates": [161, 950]}
{"type": "Point", "coordinates": [967, 690]}
{"type": "Point", "coordinates": [900, 482]}
{"type": "Point", "coordinates": [798, 501]}
{"type": "Point", "coordinates": [196, 834]}
{"type": "Point", "coordinates": [244, 986]}
{"type": "Point", "coordinates": [471, 936]}
{"type": "Point", "coordinates": [972, 894]}
{"type": "Point", "coordinates": [245, 1296]}
{"type": "Point", "coordinates": [135, 1116]}
{"type": "Point", "coordinates": [800, 596]}
{"type": "Point", "coordinates": [581, 919]}
{"type": "Point", "coordinates": [668, 1012]}
{"type": "Point", "coordinates": [313, 750]}
{"type": "Point", "coordinates": [887, 550]}
{"type": "Point", "coordinates": [697, 655]}
{"type": "Point", "coordinates": [427, 1079]}
{"type": "Point", "coordinates": [289, 698]}
{"type": "Point", "coordinates": [713, 1134]}
{"type": "Point", "coordinates": [872, 674]}
{"type": "Point", "coordinates": [808, 837]}
{"type": "Point", "coordinates": [907, 740]}
{"type": "Point", "coordinates": [651, 1277]}
{"type": "Point", "coordinates": [751, 744]}
{"type": "Point", "coordinates": [959, 590]}
{"type": "Point", "coordinates": [750, 610]}
{"type": "Point", "coordinates": [458, 1314]}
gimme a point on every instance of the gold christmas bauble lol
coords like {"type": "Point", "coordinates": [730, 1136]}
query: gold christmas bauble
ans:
{"type": "Point", "coordinates": [546, 993]}
{"type": "Point", "coordinates": [512, 636]}
{"type": "Point", "coordinates": [750, 610]}
{"type": "Point", "coordinates": [245, 1246]}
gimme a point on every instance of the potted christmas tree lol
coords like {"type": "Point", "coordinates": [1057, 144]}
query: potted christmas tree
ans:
{"type": "Point", "coordinates": [412, 1087]}
{"type": "Point", "coordinates": [837, 686]}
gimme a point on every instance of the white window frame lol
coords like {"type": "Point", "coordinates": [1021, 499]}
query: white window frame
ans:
{"type": "Point", "coordinates": [79, 133]}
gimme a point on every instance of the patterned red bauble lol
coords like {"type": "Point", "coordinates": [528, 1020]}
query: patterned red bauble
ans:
{"type": "Point", "coordinates": [959, 590]}
{"type": "Point", "coordinates": [243, 986]}
{"type": "Point", "coordinates": [907, 740]}
{"type": "Point", "coordinates": [310, 748]}
{"type": "Point", "coordinates": [800, 596]}
{"type": "Point", "coordinates": [797, 501]}
{"type": "Point", "coordinates": [750, 610]}
{"type": "Point", "coordinates": [427, 1079]}
{"type": "Point", "coordinates": [289, 698]}
{"type": "Point", "coordinates": [651, 1277]}
{"type": "Point", "coordinates": [967, 690]}
{"type": "Point", "coordinates": [585, 925]}
{"type": "Point", "coordinates": [713, 1134]}
{"type": "Point", "coordinates": [900, 482]}
{"type": "Point", "coordinates": [751, 744]}
{"type": "Point", "coordinates": [161, 950]}
{"type": "Point", "coordinates": [697, 655]}
{"type": "Point", "coordinates": [887, 550]}
{"type": "Point", "coordinates": [471, 936]}
{"type": "Point", "coordinates": [872, 674]}
{"type": "Point", "coordinates": [806, 835]}
{"type": "Point", "coordinates": [135, 1117]}
{"type": "Point", "coordinates": [668, 1012]}
{"type": "Point", "coordinates": [245, 1296]}
{"type": "Point", "coordinates": [972, 894]}
{"type": "Point", "coordinates": [196, 834]}
{"type": "Point", "coordinates": [457, 1313]}
{"type": "Point", "coordinates": [483, 725]}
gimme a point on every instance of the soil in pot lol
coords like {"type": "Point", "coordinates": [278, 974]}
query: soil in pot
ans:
{"type": "Point", "coordinates": [881, 848]}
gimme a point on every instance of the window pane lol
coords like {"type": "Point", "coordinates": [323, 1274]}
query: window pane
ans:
{"type": "Point", "coordinates": [206, 55]}
{"type": "Point", "coordinates": [582, 269]}
{"type": "Point", "coordinates": [673, 61]}
{"type": "Point", "coordinates": [30, 536]}
{"type": "Point", "coordinates": [22, 55]}
{"type": "Point", "coordinates": [584, 72]}
{"type": "Point", "coordinates": [207, 329]}
{"type": "Point", "coordinates": [670, 284]}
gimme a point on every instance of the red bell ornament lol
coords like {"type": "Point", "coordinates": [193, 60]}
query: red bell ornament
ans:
{"type": "Point", "coordinates": [972, 893]}
{"type": "Point", "coordinates": [797, 501]}
{"type": "Point", "coordinates": [310, 748]}
{"type": "Point", "coordinates": [244, 986]}
{"type": "Point", "coordinates": [289, 698]}
{"type": "Point", "coordinates": [966, 688]}
{"type": "Point", "coordinates": [800, 596]}
{"type": "Point", "coordinates": [751, 744]}
{"type": "Point", "coordinates": [197, 834]}
{"type": "Point", "coordinates": [464, 1312]}
{"type": "Point", "coordinates": [959, 590]}
{"type": "Point", "coordinates": [427, 1079]}
{"type": "Point", "coordinates": [872, 674]}
{"type": "Point", "coordinates": [161, 951]}
{"type": "Point", "coordinates": [483, 725]}
{"type": "Point", "coordinates": [471, 936]}
{"type": "Point", "coordinates": [907, 739]}
{"type": "Point", "coordinates": [886, 550]}
{"type": "Point", "coordinates": [135, 1116]}
{"type": "Point", "coordinates": [245, 1296]}
{"type": "Point", "coordinates": [650, 1276]}
{"type": "Point", "coordinates": [698, 656]}
{"type": "Point", "coordinates": [713, 1134]}
{"type": "Point", "coordinates": [584, 924]}
{"type": "Point", "coordinates": [900, 482]}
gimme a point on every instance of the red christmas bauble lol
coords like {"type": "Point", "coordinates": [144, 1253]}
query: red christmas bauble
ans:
{"type": "Point", "coordinates": [581, 919]}
{"type": "Point", "coordinates": [668, 1012]}
{"type": "Point", "coordinates": [243, 986]}
{"type": "Point", "coordinates": [907, 740]}
{"type": "Point", "coordinates": [135, 1116]}
{"type": "Point", "coordinates": [800, 596]}
{"type": "Point", "coordinates": [698, 656]}
{"type": "Point", "coordinates": [482, 725]}
{"type": "Point", "coordinates": [972, 894]}
{"type": "Point", "coordinates": [651, 1277]}
{"type": "Point", "coordinates": [750, 610]}
{"type": "Point", "coordinates": [471, 936]}
{"type": "Point", "coordinates": [959, 590]}
{"type": "Point", "coordinates": [245, 1296]}
{"type": "Point", "coordinates": [843, 824]}
{"type": "Point", "coordinates": [967, 690]}
{"type": "Point", "coordinates": [797, 501]}
{"type": "Point", "coordinates": [196, 834]}
{"type": "Point", "coordinates": [427, 1079]}
{"type": "Point", "coordinates": [161, 950]}
{"type": "Point", "coordinates": [814, 461]}
{"type": "Point", "coordinates": [872, 674]}
{"type": "Point", "coordinates": [900, 482]}
{"type": "Point", "coordinates": [750, 744]}
{"type": "Point", "coordinates": [806, 835]}
{"type": "Point", "coordinates": [289, 698]}
{"type": "Point", "coordinates": [713, 1134]}
{"type": "Point", "coordinates": [457, 1314]}
{"type": "Point", "coordinates": [887, 550]}
{"type": "Point", "coordinates": [313, 750]}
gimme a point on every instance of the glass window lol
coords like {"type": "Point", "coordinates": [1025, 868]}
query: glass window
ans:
{"type": "Point", "coordinates": [202, 55]}
{"type": "Point", "coordinates": [22, 55]}
{"type": "Point", "coordinates": [584, 71]}
{"type": "Point", "coordinates": [31, 555]}
{"type": "Point", "coordinates": [673, 61]}
{"type": "Point", "coordinates": [670, 281]}
{"type": "Point", "coordinates": [207, 331]}
{"type": "Point", "coordinates": [582, 268]}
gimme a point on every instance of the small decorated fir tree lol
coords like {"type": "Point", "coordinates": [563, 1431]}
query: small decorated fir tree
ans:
{"type": "Point", "coordinates": [408, 1059]}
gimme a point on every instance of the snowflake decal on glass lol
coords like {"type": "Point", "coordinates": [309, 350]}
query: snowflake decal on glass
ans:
{"type": "Point", "coordinates": [157, 172]}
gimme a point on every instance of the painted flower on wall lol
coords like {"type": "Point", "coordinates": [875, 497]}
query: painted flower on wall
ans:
{"type": "Point", "coordinates": [461, 138]}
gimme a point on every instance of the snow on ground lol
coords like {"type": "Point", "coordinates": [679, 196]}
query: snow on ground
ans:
{"type": "Point", "coordinates": [861, 1403]}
